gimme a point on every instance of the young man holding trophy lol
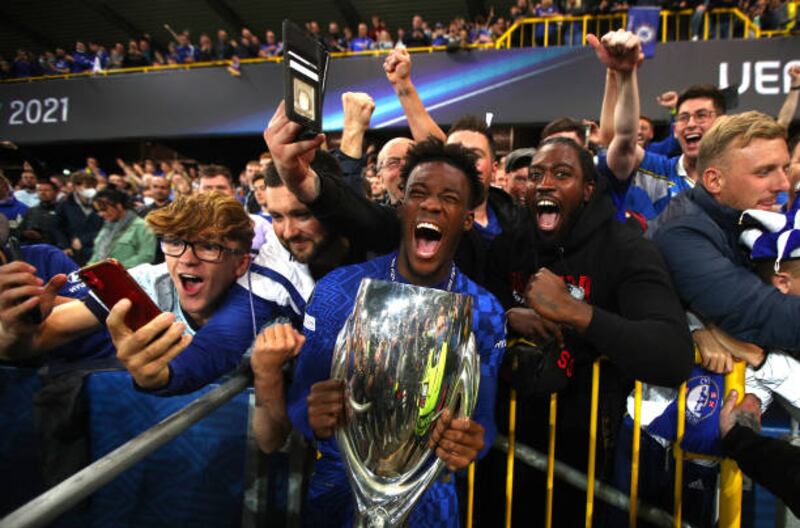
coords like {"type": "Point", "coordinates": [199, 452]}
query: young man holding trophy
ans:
{"type": "Point", "coordinates": [442, 188]}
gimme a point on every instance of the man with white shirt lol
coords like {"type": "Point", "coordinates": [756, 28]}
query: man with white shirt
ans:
{"type": "Point", "coordinates": [26, 193]}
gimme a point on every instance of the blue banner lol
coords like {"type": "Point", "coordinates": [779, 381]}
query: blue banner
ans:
{"type": "Point", "coordinates": [643, 21]}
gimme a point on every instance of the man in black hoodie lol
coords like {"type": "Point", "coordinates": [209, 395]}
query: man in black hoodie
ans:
{"type": "Point", "coordinates": [598, 288]}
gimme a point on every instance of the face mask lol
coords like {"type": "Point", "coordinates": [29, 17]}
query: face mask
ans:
{"type": "Point", "coordinates": [88, 194]}
{"type": "Point", "coordinates": [149, 200]}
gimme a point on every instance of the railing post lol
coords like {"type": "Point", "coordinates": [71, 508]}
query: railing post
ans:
{"type": "Point", "coordinates": [584, 27]}
{"type": "Point", "coordinates": [730, 482]}
{"type": "Point", "coordinates": [590, 470]}
{"type": "Point", "coordinates": [637, 433]}
{"type": "Point", "coordinates": [551, 461]}
{"type": "Point", "coordinates": [512, 438]}
{"type": "Point", "coordinates": [470, 493]}
{"type": "Point", "coordinates": [677, 451]}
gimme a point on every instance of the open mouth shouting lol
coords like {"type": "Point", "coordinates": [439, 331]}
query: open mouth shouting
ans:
{"type": "Point", "coordinates": [427, 239]}
{"type": "Point", "coordinates": [693, 139]}
{"type": "Point", "coordinates": [191, 283]}
{"type": "Point", "coordinates": [548, 214]}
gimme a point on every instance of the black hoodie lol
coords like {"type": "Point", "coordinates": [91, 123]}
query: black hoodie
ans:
{"type": "Point", "coordinates": [637, 323]}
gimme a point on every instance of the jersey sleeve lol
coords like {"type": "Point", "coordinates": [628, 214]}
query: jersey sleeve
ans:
{"type": "Point", "coordinates": [218, 347]}
{"type": "Point", "coordinates": [489, 326]}
{"type": "Point", "coordinates": [323, 319]}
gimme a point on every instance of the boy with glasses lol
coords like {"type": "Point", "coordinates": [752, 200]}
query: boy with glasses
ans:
{"type": "Point", "coordinates": [206, 239]}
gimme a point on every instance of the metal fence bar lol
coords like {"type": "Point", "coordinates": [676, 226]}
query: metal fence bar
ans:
{"type": "Point", "coordinates": [637, 434]}
{"type": "Point", "coordinates": [678, 454]}
{"type": "Point", "coordinates": [48, 506]}
{"type": "Point", "coordinates": [577, 479]}
{"type": "Point", "coordinates": [592, 443]}
{"type": "Point", "coordinates": [730, 486]}
{"type": "Point", "coordinates": [470, 494]}
{"type": "Point", "coordinates": [512, 435]}
{"type": "Point", "coordinates": [551, 458]}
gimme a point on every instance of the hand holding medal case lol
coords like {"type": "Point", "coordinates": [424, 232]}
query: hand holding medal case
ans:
{"type": "Point", "coordinates": [305, 63]}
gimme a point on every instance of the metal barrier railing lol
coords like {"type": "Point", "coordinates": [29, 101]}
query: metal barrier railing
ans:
{"type": "Point", "coordinates": [558, 30]}
{"type": "Point", "coordinates": [555, 31]}
{"type": "Point", "coordinates": [608, 494]}
{"type": "Point", "coordinates": [48, 506]}
{"type": "Point", "coordinates": [675, 25]}
{"type": "Point", "coordinates": [228, 63]}
{"type": "Point", "coordinates": [730, 504]}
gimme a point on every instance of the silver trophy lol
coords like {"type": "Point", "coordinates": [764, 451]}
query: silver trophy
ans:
{"type": "Point", "coordinates": [406, 354]}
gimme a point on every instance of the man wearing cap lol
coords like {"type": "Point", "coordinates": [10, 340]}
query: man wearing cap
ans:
{"type": "Point", "coordinates": [517, 173]}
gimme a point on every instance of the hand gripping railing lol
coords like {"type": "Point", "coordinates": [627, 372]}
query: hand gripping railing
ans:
{"type": "Point", "coordinates": [48, 506]}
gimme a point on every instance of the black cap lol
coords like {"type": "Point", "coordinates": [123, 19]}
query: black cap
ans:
{"type": "Point", "coordinates": [519, 158]}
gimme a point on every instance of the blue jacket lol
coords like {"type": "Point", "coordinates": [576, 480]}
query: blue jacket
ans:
{"type": "Point", "coordinates": [713, 275]}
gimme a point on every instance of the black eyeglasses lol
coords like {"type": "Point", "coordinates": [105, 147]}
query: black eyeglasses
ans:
{"type": "Point", "coordinates": [205, 251]}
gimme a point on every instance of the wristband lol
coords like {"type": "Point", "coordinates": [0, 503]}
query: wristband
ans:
{"type": "Point", "coordinates": [794, 88]}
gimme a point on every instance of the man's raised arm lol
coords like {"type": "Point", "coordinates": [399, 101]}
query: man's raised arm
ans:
{"type": "Point", "coordinates": [329, 199]}
{"type": "Point", "coordinates": [789, 106]}
{"type": "Point", "coordinates": [398, 70]}
{"type": "Point", "coordinates": [621, 52]}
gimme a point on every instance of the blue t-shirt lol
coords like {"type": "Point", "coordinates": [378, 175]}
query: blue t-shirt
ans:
{"type": "Point", "coordinates": [82, 61]}
{"type": "Point", "coordinates": [492, 229]}
{"type": "Point", "coordinates": [185, 53]}
{"type": "Point", "coordinates": [14, 210]}
{"type": "Point", "coordinates": [361, 44]}
{"type": "Point", "coordinates": [329, 501]}
{"type": "Point", "coordinates": [668, 146]}
{"type": "Point", "coordinates": [650, 189]}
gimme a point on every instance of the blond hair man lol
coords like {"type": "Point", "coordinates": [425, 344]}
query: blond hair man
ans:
{"type": "Point", "coordinates": [743, 162]}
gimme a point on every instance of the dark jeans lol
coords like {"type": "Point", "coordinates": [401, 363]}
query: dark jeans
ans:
{"type": "Point", "coordinates": [656, 480]}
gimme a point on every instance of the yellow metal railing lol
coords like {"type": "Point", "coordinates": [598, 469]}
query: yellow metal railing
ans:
{"type": "Point", "coordinates": [675, 25]}
{"type": "Point", "coordinates": [554, 31]}
{"type": "Point", "coordinates": [228, 63]}
{"type": "Point", "coordinates": [730, 502]}
{"type": "Point", "coordinates": [558, 30]}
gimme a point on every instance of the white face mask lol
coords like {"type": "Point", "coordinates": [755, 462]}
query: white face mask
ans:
{"type": "Point", "coordinates": [149, 200]}
{"type": "Point", "coordinates": [88, 194]}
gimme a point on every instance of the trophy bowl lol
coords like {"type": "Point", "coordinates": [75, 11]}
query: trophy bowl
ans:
{"type": "Point", "coordinates": [406, 354]}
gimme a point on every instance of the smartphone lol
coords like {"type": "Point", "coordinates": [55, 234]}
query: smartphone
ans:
{"type": "Point", "coordinates": [305, 73]}
{"type": "Point", "coordinates": [109, 281]}
{"type": "Point", "coordinates": [13, 253]}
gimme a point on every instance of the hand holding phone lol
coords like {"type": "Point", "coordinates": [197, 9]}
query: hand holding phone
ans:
{"type": "Point", "coordinates": [110, 283]}
{"type": "Point", "coordinates": [146, 353]}
{"type": "Point", "coordinates": [291, 158]}
{"type": "Point", "coordinates": [305, 74]}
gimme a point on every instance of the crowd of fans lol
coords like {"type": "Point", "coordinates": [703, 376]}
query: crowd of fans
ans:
{"type": "Point", "coordinates": [549, 241]}
{"type": "Point", "coordinates": [375, 35]}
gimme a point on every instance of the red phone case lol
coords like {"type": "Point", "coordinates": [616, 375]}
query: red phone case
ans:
{"type": "Point", "coordinates": [111, 283]}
